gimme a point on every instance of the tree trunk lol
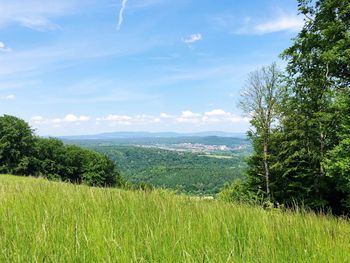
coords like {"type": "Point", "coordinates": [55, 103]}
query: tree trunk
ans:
{"type": "Point", "coordinates": [267, 172]}
{"type": "Point", "coordinates": [322, 153]}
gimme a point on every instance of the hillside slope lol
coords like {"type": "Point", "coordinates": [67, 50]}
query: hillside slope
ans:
{"type": "Point", "coordinates": [57, 222]}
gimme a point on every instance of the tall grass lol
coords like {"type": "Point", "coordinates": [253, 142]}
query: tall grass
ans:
{"type": "Point", "coordinates": [42, 221]}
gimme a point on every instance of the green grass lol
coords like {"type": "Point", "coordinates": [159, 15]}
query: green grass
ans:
{"type": "Point", "coordinates": [42, 221]}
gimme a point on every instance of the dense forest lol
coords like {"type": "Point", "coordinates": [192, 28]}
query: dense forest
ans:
{"type": "Point", "coordinates": [301, 117]}
{"type": "Point", "coordinates": [187, 172]}
{"type": "Point", "coordinates": [23, 153]}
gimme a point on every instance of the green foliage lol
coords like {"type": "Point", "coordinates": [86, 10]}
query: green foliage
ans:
{"type": "Point", "coordinates": [22, 153]}
{"type": "Point", "coordinates": [16, 146]}
{"type": "Point", "coordinates": [309, 154]}
{"type": "Point", "coordinates": [186, 172]}
{"type": "Point", "coordinates": [99, 170]}
{"type": "Point", "coordinates": [74, 164]}
{"type": "Point", "coordinates": [42, 221]}
{"type": "Point", "coordinates": [337, 162]}
{"type": "Point", "coordinates": [318, 68]}
{"type": "Point", "coordinates": [240, 192]}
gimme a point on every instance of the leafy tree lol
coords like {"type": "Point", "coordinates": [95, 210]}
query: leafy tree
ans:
{"type": "Point", "coordinates": [22, 153]}
{"type": "Point", "coordinates": [260, 99]}
{"type": "Point", "coordinates": [337, 162]}
{"type": "Point", "coordinates": [99, 170]}
{"type": "Point", "coordinates": [318, 71]}
{"type": "Point", "coordinates": [309, 150]}
{"type": "Point", "coordinates": [50, 155]}
{"type": "Point", "coordinates": [16, 146]}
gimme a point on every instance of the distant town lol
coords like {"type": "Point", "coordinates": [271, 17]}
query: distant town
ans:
{"type": "Point", "coordinates": [195, 147]}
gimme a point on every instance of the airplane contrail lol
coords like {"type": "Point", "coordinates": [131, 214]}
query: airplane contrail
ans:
{"type": "Point", "coordinates": [121, 14]}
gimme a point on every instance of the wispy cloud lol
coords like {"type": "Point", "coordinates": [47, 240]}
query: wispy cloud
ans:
{"type": "Point", "coordinates": [37, 14]}
{"type": "Point", "coordinates": [8, 97]}
{"type": "Point", "coordinates": [193, 38]}
{"type": "Point", "coordinates": [38, 23]}
{"type": "Point", "coordinates": [121, 14]}
{"type": "Point", "coordinates": [4, 48]}
{"type": "Point", "coordinates": [74, 118]}
{"type": "Point", "coordinates": [215, 116]}
{"type": "Point", "coordinates": [186, 120]}
{"type": "Point", "coordinates": [187, 116]}
{"type": "Point", "coordinates": [281, 21]}
{"type": "Point", "coordinates": [69, 118]}
{"type": "Point", "coordinates": [284, 22]}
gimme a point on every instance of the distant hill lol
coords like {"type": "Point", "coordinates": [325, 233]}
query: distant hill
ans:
{"type": "Point", "coordinates": [133, 135]}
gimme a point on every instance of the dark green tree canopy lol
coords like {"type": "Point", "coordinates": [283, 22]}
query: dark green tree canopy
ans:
{"type": "Point", "coordinates": [23, 153]}
{"type": "Point", "coordinates": [16, 145]}
{"type": "Point", "coordinates": [309, 156]}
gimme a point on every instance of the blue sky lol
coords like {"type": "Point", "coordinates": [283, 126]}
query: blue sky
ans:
{"type": "Point", "coordinates": [89, 66]}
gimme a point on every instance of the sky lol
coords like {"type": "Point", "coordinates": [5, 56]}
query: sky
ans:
{"type": "Point", "coordinates": [71, 67]}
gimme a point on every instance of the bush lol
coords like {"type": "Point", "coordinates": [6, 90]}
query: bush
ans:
{"type": "Point", "coordinates": [238, 192]}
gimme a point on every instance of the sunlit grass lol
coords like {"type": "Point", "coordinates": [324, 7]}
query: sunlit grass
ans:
{"type": "Point", "coordinates": [42, 221]}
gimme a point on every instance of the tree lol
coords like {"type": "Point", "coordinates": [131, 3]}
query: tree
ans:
{"type": "Point", "coordinates": [22, 153]}
{"type": "Point", "coordinates": [99, 170]}
{"type": "Point", "coordinates": [16, 146]}
{"type": "Point", "coordinates": [260, 99]}
{"type": "Point", "coordinates": [318, 77]}
{"type": "Point", "coordinates": [50, 155]}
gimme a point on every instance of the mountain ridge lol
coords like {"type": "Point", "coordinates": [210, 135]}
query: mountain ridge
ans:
{"type": "Point", "coordinates": [142, 134]}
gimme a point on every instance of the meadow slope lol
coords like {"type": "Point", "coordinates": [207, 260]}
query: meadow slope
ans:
{"type": "Point", "coordinates": [57, 222]}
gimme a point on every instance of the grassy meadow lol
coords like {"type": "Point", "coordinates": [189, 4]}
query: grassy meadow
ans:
{"type": "Point", "coordinates": [42, 221]}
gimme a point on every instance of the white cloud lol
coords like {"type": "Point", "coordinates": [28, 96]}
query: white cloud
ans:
{"type": "Point", "coordinates": [165, 116]}
{"type": "Point", "coordinates": [37, 119]}
{"type": "Point", "coordinates": [185, 117]}
{"type": "Point", "coordinates": [38, 23]}
{"type": "Point", "coordinates": [281, 21]}
{"type": "Point", "coordinates": [156, 120]}
{"type": "Point", "coordinates": [36, 13]}
{"type": "Point", "coordinates": [193, 38]}
{"type": "Point", "coordinates": [186, 120]}
{"type": "Point", "coordinates": [189, 114]}
{"type": "Point", "coordinates": [121, 14]}
{"type": "Point", "coordinates": [8, 97]}
{"type": "Point", "coordinates": [189, 117]}
{"type": "Point", "coordinates": [117, 118]}
{"type": "Point", "coordinates": [56, 120]}
{"type": "Point", "coordinates": [284, 22]}
{"type": "Point", "coordinates": [74, 118]}
{"type": "Point", "coordinates": [4, 48]}
{"type": "Point", "coordinates": [216, 112]}
{"type": "Point", "coordinates": [220, 116]}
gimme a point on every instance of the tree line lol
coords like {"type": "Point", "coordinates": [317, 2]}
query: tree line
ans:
{"type": "Point", "coordinates": [23, 153]}
{"type": "Point", "coordinates": [301, 117]}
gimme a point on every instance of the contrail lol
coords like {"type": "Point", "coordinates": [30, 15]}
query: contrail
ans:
{"type": "Point", "coordinates": [121, 14]}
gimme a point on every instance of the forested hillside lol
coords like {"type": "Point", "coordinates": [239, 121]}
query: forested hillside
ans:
{"type": "Point", "coordinates": [193, 173]}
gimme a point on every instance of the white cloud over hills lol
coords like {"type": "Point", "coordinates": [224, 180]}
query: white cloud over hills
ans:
{"type": "Point", "coordinates": [187, 118]}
